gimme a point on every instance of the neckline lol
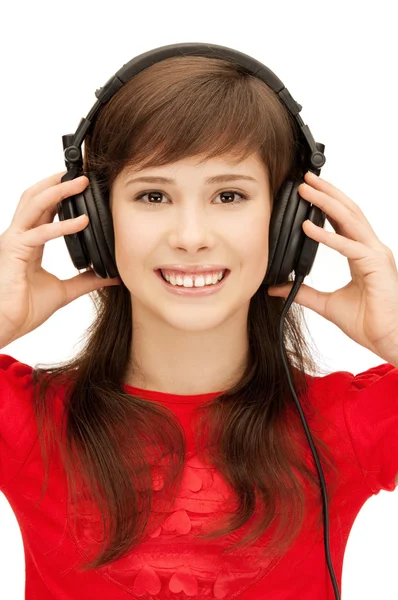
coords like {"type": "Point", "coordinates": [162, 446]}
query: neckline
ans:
{"type": "Point", "coordinates": [164, 396]}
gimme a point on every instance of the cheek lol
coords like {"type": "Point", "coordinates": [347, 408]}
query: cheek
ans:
{"type": "Point", "coordinates": [253, 246]}
{"type": "Point", "coordinates": [133, 244]}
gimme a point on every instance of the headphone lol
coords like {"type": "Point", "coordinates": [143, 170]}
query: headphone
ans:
{"type": "Point", "coordinates": [290, 249]}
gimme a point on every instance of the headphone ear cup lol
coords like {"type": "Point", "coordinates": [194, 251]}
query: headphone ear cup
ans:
{"type": "Point", "coordinates": [93, 246]}
{"type": "Point", "coordinates": [98, 203]}
{"type": "Point", "coordinates": [70, 208]}
{"type": "Point", "coordinates": [275, 227]}
{"type": "Point", "coordinates": [290, 249]}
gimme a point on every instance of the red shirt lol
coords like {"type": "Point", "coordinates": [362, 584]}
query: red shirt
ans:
{"type": "Point", "coordinates": [362, 412]}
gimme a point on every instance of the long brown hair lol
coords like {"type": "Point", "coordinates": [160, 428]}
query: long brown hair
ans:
{"type": "Point", "coordinates": [183, 107]}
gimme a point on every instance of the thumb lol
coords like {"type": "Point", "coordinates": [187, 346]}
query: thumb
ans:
{"type": "Point", "coordinates": [86, 282]}
{"type": "Point", "coordinates": [306, 296]}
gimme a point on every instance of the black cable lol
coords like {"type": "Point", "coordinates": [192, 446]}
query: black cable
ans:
{"type": "Point", "coordinates": [296, 285]}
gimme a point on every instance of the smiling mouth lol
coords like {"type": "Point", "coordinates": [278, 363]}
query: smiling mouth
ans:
{"type": "Point", "coordinates": [226, 273]}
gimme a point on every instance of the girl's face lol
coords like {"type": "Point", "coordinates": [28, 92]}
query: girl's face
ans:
{"type": "Point", "coordinates": [191, 221]}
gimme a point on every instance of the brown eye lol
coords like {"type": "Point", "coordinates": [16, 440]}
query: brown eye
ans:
{"type": "Point", "coordinates": [232, 194]}
{"type": "Point", "coordinates": [153, 194]}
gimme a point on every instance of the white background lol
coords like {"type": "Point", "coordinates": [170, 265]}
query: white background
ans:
{"type": "Point", "coordinates": [339, 60]}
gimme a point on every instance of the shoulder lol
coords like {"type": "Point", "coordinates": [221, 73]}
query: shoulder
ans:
{"type": "Point", "coordinates": [364, 409]}
{"type": "Point", "coordinates": [18, 431]}
{"type": "Point", "coordinates": [12, 371]}
{"type": "Point", "coordinates": [345, 382]}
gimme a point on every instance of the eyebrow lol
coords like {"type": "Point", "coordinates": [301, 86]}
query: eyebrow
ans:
{"type": "Point", "coordinates": [215, 179]}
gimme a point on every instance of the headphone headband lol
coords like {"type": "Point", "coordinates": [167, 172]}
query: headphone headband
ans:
{"type": "Point", "coordinates": [314, 159]}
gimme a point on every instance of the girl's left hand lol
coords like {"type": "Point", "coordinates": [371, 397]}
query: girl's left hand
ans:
{"type": "Point", "coordinates": [366, 309]}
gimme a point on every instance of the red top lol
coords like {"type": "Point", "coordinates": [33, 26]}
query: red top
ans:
{"type": "Point", "coordinates": [362, 411]}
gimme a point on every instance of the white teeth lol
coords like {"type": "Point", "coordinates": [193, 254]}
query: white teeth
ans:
{"type": "Point", "coordinates": [196, 281]}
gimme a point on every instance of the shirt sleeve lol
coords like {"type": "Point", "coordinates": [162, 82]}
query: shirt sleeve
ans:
{"type": "Point", "coordinates": [370, 407]}
{"type": "Point", "coordinates": [18, 430]}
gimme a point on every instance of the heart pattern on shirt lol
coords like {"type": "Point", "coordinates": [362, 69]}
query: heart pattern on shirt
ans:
{"type": "Point", "coordinates": [172, 560]}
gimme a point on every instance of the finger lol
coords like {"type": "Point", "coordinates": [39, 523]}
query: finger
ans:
{"type": "Point", "coordinates": [28, 214]}
{"type": "Point", "coordinates": [84, 283]}
{"type": "Point", "coordinates": [40, 186]}
{"type": "Point", "coordinates": [352, 225]}
{"type": "Point", "coordinates": [351, 249]}
{"type": "Point", "coordinates": [39, 236]}
{"type": "Point", "coordinates": [306, 296]}
{"type": "Point", "coordinates": [325, 186]}
{"type": "Point", "coordinates": [360, 228]}
{"type": "Point", "coordinates": [47, 217]}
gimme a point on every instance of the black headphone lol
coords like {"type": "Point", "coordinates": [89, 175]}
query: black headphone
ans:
{"type": "Point", "coordinates": [289, 248]}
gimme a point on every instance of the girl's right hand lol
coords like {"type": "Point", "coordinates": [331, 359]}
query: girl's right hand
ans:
{"type": "Point", "coordinates": [29, 294]}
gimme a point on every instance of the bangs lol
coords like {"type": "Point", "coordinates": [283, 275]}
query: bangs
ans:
{"type": "Point", "coordinates": [184, 107]}
{"type": "Point", "coordinates": [206, 116]}
{"type": "Point", "coordinates": [227, 121]}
